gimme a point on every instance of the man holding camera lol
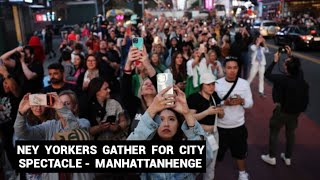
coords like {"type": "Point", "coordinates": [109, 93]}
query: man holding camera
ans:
{"type": "Point", "coordinates": [291, 96]}
{"type": "Point", "coordinates": [23, 62]}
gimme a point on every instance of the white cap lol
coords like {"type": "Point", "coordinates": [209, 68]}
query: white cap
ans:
{"type": "Point", "coordinates": [207, 78]}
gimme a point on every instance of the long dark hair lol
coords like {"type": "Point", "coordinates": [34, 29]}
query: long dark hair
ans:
{"type": "Point", "coordinates": [34, 120]}
{"type": "Point", "coordinates": [94, 86]}
{"type": "Point", "coordinates": [82, 64]}
{"type": "Point", "coordinates": [182, 67]}
{"type": "Point", "coordinates": [179, 134]}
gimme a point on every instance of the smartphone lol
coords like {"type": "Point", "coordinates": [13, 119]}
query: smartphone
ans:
{"type": "Point", "coordinates": [137, 42]}
{"type": "Point", "coordinates": [111, 119]}
{"type": "Point", "coordinates": [41, 100]}
{"type": "Point", "coordinates": [165, 80]}
{"type": "Point", "coordinates": [234, 97]}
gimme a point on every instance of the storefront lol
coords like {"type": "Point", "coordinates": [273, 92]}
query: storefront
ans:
{"type": "Point", "coordinates": [297, 7]}
{"type": "Point", "coordinates": [15, 23]}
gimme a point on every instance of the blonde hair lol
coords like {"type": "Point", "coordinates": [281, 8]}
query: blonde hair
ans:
{"type": "Point", "coordinates": [73, 97]}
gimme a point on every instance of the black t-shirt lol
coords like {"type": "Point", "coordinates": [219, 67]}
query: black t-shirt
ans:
{"type": "Point", "coordinates": [197, 102]}
{"type": "Point", "coordinates": [33, 85]}
{"type": "Point", "coordinates": [66, 86]}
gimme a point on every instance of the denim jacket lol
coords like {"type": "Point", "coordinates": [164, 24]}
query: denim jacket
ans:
{"type": "Point", "coordinates": [147, 128]}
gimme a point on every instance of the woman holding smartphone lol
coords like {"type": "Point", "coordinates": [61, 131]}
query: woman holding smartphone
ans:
{"type": "Point", "coordinates": [205, 107]}
{"type": "Point", "coordinates": [65, 121]}
{"type": "Point", "coordinates": [134, 105]}
{"type": "Point", "coordinates": [178, 70]}
{"type": "Point", "coordinates": [168, 121]}
{"type": "Point", "coordinates": [106, 116]}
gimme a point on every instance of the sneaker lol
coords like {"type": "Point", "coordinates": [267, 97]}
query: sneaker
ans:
{"type": "Point", "coordinates": [266, 158]}
{"type": "Point", "coordinates": [287, 161]}
{"type": "Point", "coordinates": [243, 176]}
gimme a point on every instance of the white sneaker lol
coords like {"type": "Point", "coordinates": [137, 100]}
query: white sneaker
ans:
{"type": "Point", "coordinates": [243, 176]}
{"type": "Point", "coordinates": [287, 161]}
{"type": "Point", "coordinates": [266, 158]}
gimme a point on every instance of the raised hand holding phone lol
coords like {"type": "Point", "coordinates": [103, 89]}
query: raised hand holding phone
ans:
{"type": "Point", "coordinates": [161, 102]}
{"type": "Point", "coordinates": [24, 105]}
{"type": "Point", "coordinates": [138, 43]}
{"type": "Point", "coordinates": [165, 80]}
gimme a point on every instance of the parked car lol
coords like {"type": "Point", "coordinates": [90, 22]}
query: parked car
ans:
{"type": "Point", "coordinates": [298, 37]}
{"type": "Point", "coordinates": [266, 28]}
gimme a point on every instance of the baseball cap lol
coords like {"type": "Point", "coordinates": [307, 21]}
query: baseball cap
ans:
{"type": "Point", "coordinates": [207, 78]}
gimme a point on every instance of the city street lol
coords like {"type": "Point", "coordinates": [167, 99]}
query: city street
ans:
{"type": "Point", "coordinates": [307, 146]}
{"type": "Point", "coordinates": [310, 61]}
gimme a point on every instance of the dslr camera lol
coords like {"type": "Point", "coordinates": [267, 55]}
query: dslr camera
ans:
{"type": "Point", "coordinates": [282, 50]}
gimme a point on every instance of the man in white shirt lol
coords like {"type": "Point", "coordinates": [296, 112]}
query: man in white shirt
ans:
{"type": "Point", "coordinates": [232, 131]}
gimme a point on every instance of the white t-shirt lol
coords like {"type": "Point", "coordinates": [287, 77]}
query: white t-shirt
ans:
{"type": "Point", "coordinates": [234, 115]}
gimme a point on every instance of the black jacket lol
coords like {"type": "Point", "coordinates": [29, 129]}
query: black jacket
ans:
{"type": "Point", "coordinates": [292, 92]}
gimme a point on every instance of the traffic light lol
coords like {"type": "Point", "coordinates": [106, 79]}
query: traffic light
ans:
{"type": "Point", "coordinates": [264, 6]}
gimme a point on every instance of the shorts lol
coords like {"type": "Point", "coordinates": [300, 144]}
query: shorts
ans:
{"type": "Point", "coordinates": [236, 140]}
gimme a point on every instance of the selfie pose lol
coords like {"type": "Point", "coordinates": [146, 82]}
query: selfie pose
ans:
{"type": "Point", "coordinates": [168, 118]}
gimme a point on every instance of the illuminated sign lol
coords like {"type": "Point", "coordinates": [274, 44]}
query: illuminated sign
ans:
{"type": "Point", "coordinates": [45, 17]}
{"type": "Point", "coordinates": [28, 1]}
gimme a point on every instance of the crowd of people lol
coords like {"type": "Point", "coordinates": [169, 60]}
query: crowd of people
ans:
{"type": "Point", "coordinates": [100, 76]}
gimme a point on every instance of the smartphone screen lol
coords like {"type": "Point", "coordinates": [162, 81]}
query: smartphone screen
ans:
{"type": "Point", "coordinates": [41, 100]}
{"type": "Point", "coordinates": [38, 99]}
{"type": "Point", "coordinates": [137, 42]}
{"type": "Point", "coordinates": [165, 80]}
{"type": "Point", "coordinates": [111, 119]}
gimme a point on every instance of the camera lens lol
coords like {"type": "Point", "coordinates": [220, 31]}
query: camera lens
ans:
{"type": "Point", "coordinates": [135, 40]}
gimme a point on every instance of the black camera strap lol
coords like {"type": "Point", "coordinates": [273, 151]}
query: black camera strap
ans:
{"type": "Point", "coordinates": [230, 90]}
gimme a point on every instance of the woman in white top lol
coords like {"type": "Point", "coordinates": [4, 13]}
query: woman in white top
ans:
{"type": "Point", "coordinates": [258, 62]}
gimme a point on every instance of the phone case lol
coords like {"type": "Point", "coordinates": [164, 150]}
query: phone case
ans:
{"type": "Point", "coordinates": [163, 81]}
{"type": "Point", "coordinates": [137, 42]}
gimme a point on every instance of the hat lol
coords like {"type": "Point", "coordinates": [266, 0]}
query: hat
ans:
{"type": "Point", "coordinates": [207, 78]}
